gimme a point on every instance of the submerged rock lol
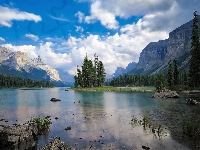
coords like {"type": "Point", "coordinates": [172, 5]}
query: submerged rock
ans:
{"type": "Point", "coordinates": [145, 147]}
{"type": "Point", "coordinates": [55, 144]}
{"type": "Point", "coordinates": [192, 102]}
{"type": "Point", "coordinates": [165, 94]}
{"type": "Point", "coordinates": [68, 128]}
{"type": "Point", "coordinates": [55, 100]}
{"type": "Point", "coordinates": [19, 137]}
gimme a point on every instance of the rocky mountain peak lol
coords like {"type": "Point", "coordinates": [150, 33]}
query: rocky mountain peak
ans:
{"type": "Point", "coordinates": [20, 61]}
{"type": "Point", "coordinates": [155, 56]}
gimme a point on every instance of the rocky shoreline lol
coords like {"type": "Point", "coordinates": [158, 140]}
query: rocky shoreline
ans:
{"type": "Point", "coordinates": [25, 136]}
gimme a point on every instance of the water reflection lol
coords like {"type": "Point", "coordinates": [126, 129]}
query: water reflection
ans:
{"type": "Point", "coordinates": [101, 119]}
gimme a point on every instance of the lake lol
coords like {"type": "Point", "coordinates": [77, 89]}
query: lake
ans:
{"type": "Point", "coordinates": [102, 120]}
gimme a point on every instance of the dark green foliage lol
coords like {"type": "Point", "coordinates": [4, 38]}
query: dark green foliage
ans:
{"type": "Point", "coordinates": [91, 75]}
{"type": "Point", "coordinates": [185, 78]}
{"type": "Point", "coordinates": [134, 80]}
{"type": "Point", "coordinates": [10, 81]}
{"type": "Point", "coordinates": [160, 82]}
{"type": "Point", "coordinates": [175, 73]}
{"type": "Point", "coordinates": [170, 75]}
{"type": "Point", "coordinates": [194, 68]}
{"type": "Point", "coordinates": [191, 127]}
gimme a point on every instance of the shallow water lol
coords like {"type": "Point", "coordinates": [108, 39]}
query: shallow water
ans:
{"type": "Point", "coordinates": [101, 119]}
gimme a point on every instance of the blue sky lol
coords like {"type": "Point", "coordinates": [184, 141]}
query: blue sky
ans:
{"type": "Point", "coordinates": [63, 31]}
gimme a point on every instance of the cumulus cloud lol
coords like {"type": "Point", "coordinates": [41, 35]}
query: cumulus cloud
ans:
{"type": "Point", "coordinates": [114, 50]}
{"type": "Point", "coordinates": [32, 37]}
{"type": "Point", "coordinates": [80, 16]}
{"type": "Point", "coordinates": [2, 39]}
{"type": "Point", "coordinates": [158, 15]}
{"type": "Point", "coordinates": [104, 16]}
{"type": "Point", "coordinates": [57, 60]}
{"type": "Point", "coordinates": [156, 20]}
{"type": "Point", "coordinates": [79, 29]}
{"type": "Point", "coordinates": [29, 49]}
{"type": "Point", "coordinates": [47, 53]}
{"type": "Point", "coordinates": [7, 15]}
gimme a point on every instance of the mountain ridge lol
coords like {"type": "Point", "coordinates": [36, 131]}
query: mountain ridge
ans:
{"type": "Point", "coordinates": [18, 63]}
{"type": "Point", "coordinates": [155, 56]}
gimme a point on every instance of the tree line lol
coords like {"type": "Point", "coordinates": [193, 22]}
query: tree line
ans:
{"type": "Point", "coordinates": [91, 74]}
{"type": "Point", "coordinates": [11, 81]}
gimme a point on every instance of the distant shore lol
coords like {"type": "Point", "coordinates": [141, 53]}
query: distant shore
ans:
{"type": "Point", "coordinates": [116, 89]}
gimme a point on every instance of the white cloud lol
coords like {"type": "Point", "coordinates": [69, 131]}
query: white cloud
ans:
{"type": "Point", "coordinates": [45, 50]}
{"type": "Point", "coordinates": [2, 39]}
{"type": "Point", "coordinates": [50, 57]}
{"type": "Point", "coordinates": [60, 19]}
{"type": "Point", "coordinates": [114, 51]}
{"type": "Point", "coordinates": [157, 19]}
{"type": "Point", "coordinates": [80, 16]}
{"type": "Point", "coordinates": [79, 29]}
{"type": "Point", "coordinates": [106, 18]}
{"type": "Point", "coordinates": [29, 49]}
{"type": "Point", "coordinates": [32, 37]}
{"type": "Point", "coordinates": [158, 15]}
{"type": "Point", "coordinates": [7, 15]}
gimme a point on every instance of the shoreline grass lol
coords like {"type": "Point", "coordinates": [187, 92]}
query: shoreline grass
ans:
{"type": "Point", "coordinates": [115, 89]}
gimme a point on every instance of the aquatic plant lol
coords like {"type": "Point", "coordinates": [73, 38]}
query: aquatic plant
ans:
{"type": "Point", "coordinates": [134, 120]}
{"type": "Point", "coordinates": [43, 123]}
{"type": "Point", "coordinates": [191, 127]}
{"type": "Point", "coordinates": [146, 122]}
{"type": "Point", "coordinates": [67, 146]}
{"type": "Point", "coordinates": [159, 131]}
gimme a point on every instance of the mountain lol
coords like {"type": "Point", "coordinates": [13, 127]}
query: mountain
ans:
{"type": "Point", "coordinates": [19, 64]}
{"type": "Point", "coordinates": [65, 76]}
{"type": "Point", "coordinates": [121, 71]}
{"type": "Point", "coordinates": [155, 56]}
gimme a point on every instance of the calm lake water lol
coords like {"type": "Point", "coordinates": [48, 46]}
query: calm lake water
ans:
{"type": "Point", "coordinates": [101, 119]}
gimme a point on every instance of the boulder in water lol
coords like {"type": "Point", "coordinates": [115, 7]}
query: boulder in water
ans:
{"type": "Point", "coordinates": [55, 100]}
{"type": "Point", "coordinates": [165, 94]}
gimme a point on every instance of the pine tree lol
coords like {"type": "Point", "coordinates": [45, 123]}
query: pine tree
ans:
{"type": "Point", "coordinates": [169, 75]}
{"type": "Point", "coordinates": [160, 82]}
{"type": "Point", "coordinates": [100, 74]}
{"type": "Point", "coordinates": [91, 75]}
{"type": "Point", "coordinates": [85, 72]}
{"type": "Point", "coordinates": [175, 73]}
{"type": "Point", "coordinates": [194, 68]}
{"type": "Point", "coordinates": [185, 78]}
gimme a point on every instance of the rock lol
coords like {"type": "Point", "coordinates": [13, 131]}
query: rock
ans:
{"type": "Point", "coordinates": [32, 68]}
{"type": "Point", "coordinates": [19, 137]}
{"type": "Point", "coordinates": [66, 90]}
{"type": "Point", "coordinates": [155, 56]}
{"type": "Point", "coordinates": [192, 102]}
{"type": "Point", "coordinates": [55, 100]}
{"type": "Point", "coordinates": [68, 128]}
{"type": "Point", "coordinates": [165, 94]}
{"type": "Point", "coordinates": [55, 144]}
{"type": "Point", "coordinates": [145, 147]}
{"type": "Point", "coordinates": [194, 92]}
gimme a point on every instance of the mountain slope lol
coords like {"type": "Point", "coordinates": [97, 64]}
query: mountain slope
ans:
{"type": "Point", "coordinates": [121, 71]}
{"type": "Point", "coordinates": [18, 63]}
{"type": "Point", "coordinates": [155, 56]}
